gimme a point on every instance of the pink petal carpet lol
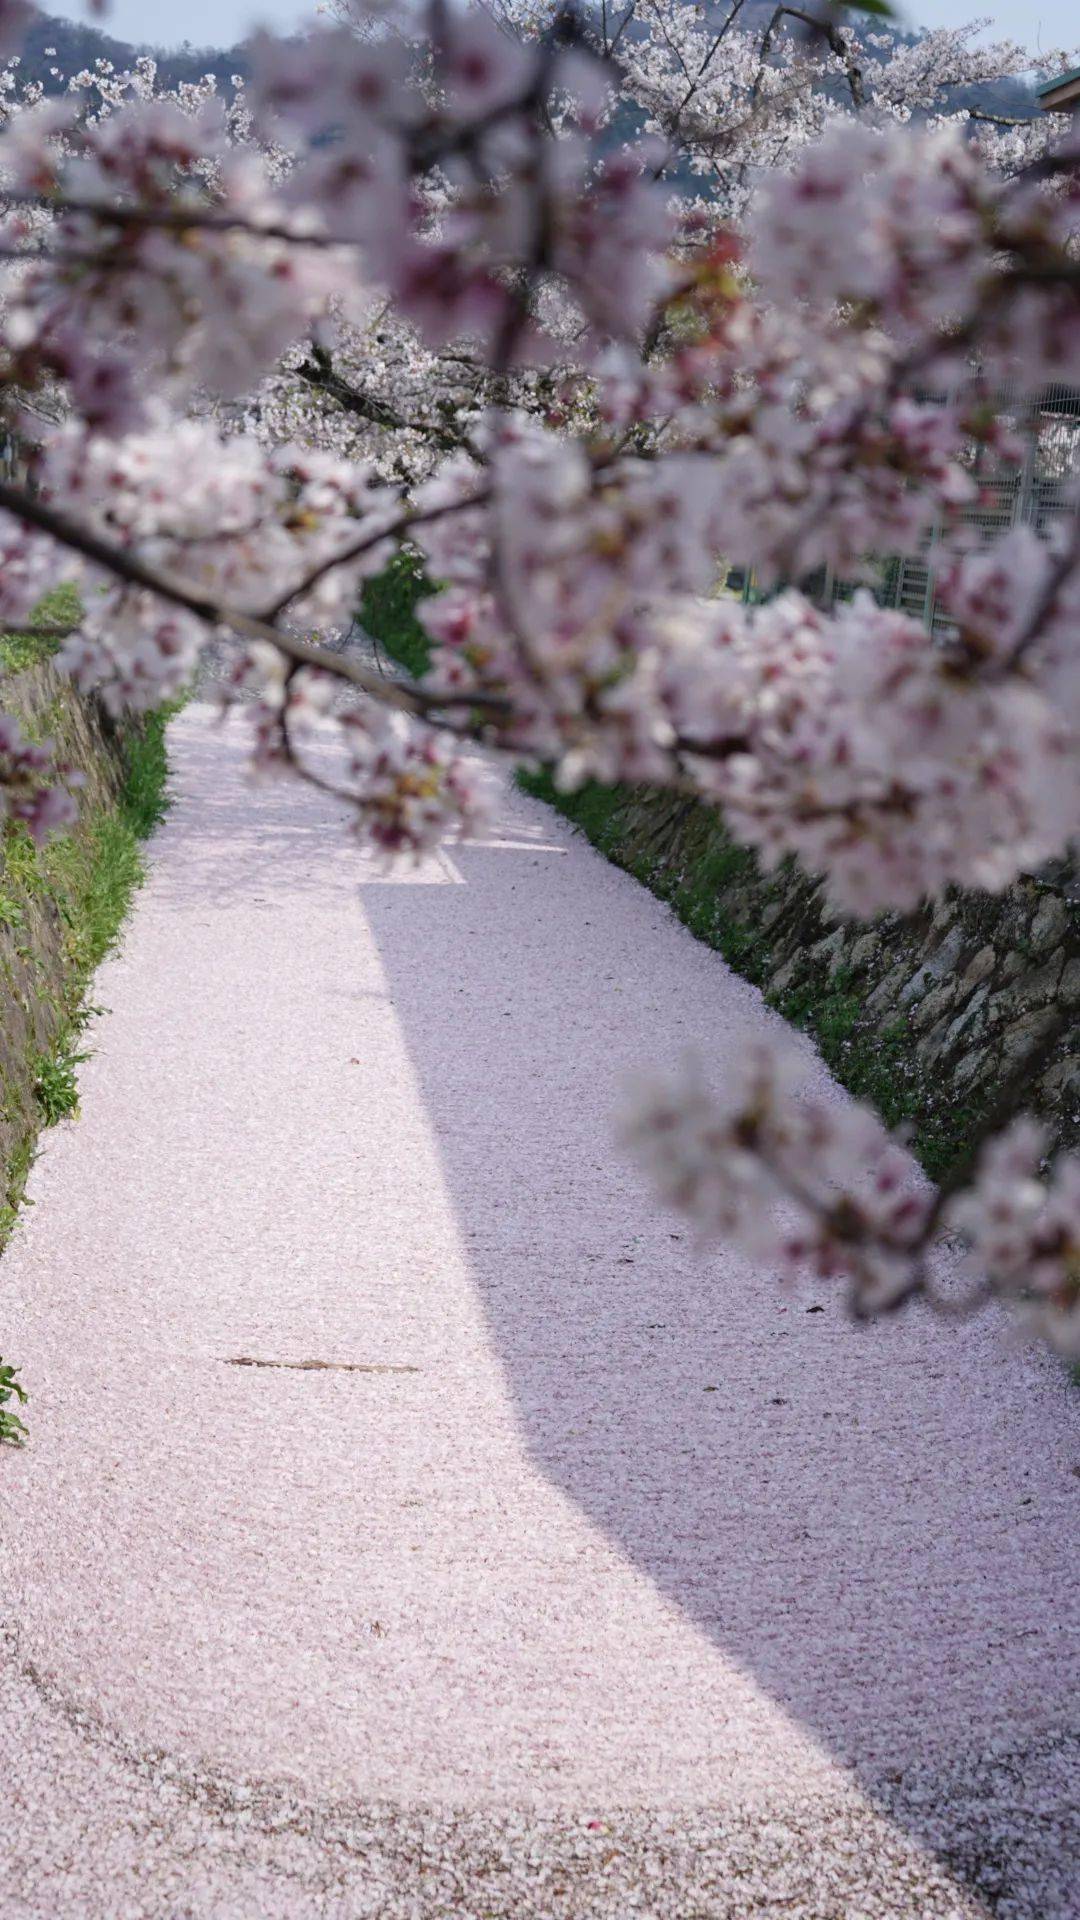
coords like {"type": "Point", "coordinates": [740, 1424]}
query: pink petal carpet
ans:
{"type": "Point", "coordinates": [587, 1576]}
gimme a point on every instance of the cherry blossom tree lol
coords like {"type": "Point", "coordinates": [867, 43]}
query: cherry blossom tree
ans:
{"type": "Point", "coordinates": [615, 377]}
{"type": "Point", "coordinates": [728, 92]}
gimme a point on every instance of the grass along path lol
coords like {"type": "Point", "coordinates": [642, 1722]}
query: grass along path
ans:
{"type": "Point", "coordinates": [79, 884]}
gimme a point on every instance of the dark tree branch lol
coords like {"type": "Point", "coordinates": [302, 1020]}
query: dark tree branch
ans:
{"type": "Point", "coordinates": [825, 27]}
{"type": "Point", "coordinates": [318, 371]}
{"type": "Point", "coordinates": [218, 614]}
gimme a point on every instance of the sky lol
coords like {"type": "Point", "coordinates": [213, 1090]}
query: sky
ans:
{"type": "Point", "coordinates": [219, 23]}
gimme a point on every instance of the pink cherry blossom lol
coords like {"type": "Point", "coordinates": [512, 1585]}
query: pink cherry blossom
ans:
{"type": "Point", "coordinates": [35, 789]}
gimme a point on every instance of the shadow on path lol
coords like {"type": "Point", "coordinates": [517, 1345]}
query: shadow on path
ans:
{"type": "Point", "coordinates": [875, 1523]}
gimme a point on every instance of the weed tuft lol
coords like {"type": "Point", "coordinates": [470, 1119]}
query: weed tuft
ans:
{"type": "Point", "coordinates": [144, 799]}
{"type": "Point", "coordinates": [12, 1430]}
{"type": "Point", "coordinates": [56, 1085]}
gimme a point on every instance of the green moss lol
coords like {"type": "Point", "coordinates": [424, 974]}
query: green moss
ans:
{"type": "Point", "coordinates": [877, 1067]}
{"type": "Point", "coordinates": [601, 812]}
{"type": "Point", "coordinates": [16, 1174]}
{"type": "Point", "coordinates": [594, 808]}
{"type": "Point", "coordinates": [61, 608]}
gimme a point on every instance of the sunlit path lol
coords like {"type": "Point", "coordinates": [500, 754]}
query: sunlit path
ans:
{"type": "Point", "coordinates": [565, 1521]}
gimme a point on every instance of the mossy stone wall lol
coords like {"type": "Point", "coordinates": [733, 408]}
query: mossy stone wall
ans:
{"type": "Point", "coordinates": [45, 941]}
{"type": "Point", "coordinates": [929, 1016]}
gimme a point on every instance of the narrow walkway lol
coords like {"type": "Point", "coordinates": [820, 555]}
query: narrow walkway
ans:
{"type": "Point", "coordinates": [582, 1576]}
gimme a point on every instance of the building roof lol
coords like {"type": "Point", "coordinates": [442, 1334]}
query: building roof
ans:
{"type": "Point", "coordinates": [1061, 91]}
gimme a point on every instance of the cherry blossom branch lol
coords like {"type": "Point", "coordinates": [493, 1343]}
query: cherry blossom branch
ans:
{"type": "Point", "coordinates": [292, 756]}
{"type": "Point", "coordinates": [1062, 568]}
{"type": "Point", "coordinates": [811, 1186]}
{"type": "Point", "coordinates": [826, 28]}
{"type": "Point", "coordinates": [179, 220]}
{"type": "Point", "coordinates": [215, 613]}
{"type": "Point", "coordinates": [395, 529]}
{"type": "Point", "coordinates": [82, 256]}
{"type": "Point", "coordinates": [995, 119]}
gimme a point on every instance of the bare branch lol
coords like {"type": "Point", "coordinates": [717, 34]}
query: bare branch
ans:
{"type": "Point", "coordinates": [826, 27]}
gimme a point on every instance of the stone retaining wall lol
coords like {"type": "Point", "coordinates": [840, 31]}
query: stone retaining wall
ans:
{"type": "Point", "coordinates": [930, 1016]}
{"type": "Point", "coordinates": [39, 971]}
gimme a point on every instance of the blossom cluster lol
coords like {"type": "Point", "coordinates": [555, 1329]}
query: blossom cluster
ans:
{"type": "Point", "coordinates": [809, 1184]}
{"type": "Point", "coordinates": [782, 1169]}
{"type": "Point", "coordinates": [440, 170]}
{"type": "Point", "coordinates": [407, 788]}
{"type": "Point", "coordinates": [1024, 1232]}
{"type": "Point", "coordinates": [890, 763]}
{"type": "Point", "coordinates": [823, 458]}
{"type": "Point", "coordinates": [29, 566]}
{"type": "Point", "coordinates": [550, 590]}
{"type": "Point", "coordinates": [35, 789]}
{"type": "Point", "coordinates": [161, 263]}
{"type": "Point", "coordinates": [917, 235]}
{"type": "Point", "coordinates": [882, 758]}
{"type": "Point", "coordinates": [226, 520]}
{"type": "Point", "coordinates": [411, 789]}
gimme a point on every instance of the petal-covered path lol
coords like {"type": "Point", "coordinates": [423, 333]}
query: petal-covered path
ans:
{"type": "Point", "coordinates": [582, 1575]}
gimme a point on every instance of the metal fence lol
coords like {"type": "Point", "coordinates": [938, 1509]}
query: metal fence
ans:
{"type": "Point", "coordinates": [1030, 493]}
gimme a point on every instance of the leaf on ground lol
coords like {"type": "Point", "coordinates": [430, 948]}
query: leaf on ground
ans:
{"type": "Point", "coordinates": [321, 1366]}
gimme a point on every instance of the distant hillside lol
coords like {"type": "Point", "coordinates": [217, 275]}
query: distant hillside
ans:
{"type": "Point", "coordinates": [76, 45]}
